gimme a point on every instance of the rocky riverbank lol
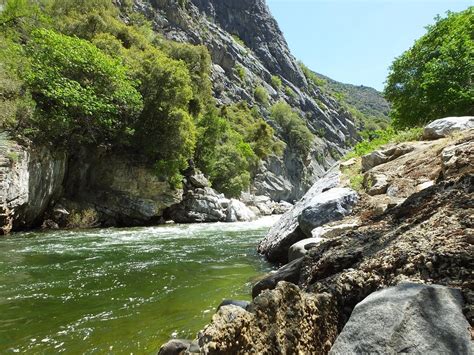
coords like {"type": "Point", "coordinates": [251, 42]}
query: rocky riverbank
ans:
{"type": "Point", "coordinates": [385, 269]}
{"type": "Point", "coordinates": [40, 188]}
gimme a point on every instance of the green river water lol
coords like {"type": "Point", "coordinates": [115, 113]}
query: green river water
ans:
{"type": "Point", "coordinates": [121, 291]}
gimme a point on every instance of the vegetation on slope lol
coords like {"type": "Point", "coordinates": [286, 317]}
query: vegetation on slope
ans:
{"type": "Point", "coordinates": [73, 73]}
{"type": "Point", "coordinates": [366, 105]}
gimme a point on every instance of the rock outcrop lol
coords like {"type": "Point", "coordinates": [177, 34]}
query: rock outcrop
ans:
{"type": "Point", "coordinates": [445, 126]}
{"type": "Point", "coordinates": [425, 238]}
{"type": "Point", "coordinates": [124, 189]}
{"type": "Point", "coordinates": [286, 231]}
{"type": "Point", "coordinates": [331, 205]}
{"type": "Point", "coordinates": [408, 318]}
{"type": "Point", "coordinates": [30, 179]}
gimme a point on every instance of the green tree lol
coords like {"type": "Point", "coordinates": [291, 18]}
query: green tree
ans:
{"type": "Point", "coordinates": [82, 94]}
{"type": "Point", "coordinates": [295, 131]}
{"type": "Point", "coordinates": [434, 78]}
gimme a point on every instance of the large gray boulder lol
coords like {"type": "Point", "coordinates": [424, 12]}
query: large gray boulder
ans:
{"type": "Point", "coordinates": [329, 206]}
{"type": "Point", "coordinates": [446, 126]}
{"type": "Point", "coordinates": [286, 231]}
{"type": "Point", "coordinates": [408, 318]}
{"type": "Point", "coordinates": [238, 212]}
{"type": "Point", "coordinates": [175, 347]}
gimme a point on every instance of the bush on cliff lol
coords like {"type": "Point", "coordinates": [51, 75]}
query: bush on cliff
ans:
{"type": "Point", "coordinates": [434, 78]}
{"type": "Point", "coordinates": [295, 131]}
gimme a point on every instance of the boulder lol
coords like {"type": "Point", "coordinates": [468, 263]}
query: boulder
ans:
{"type": "Point", "coordinates": [282, 207]}
{"type": "Point", "coordinates": [199, 180]}
{"type": "Point", "coordinates": [329, 206]}
{"type": "Point", "coordinates": [408, 318]}
{"type": "Point", "coordinates": [289, 273]}
{"type": "Point", "coordinates": [331, 231]}
{"type": "Point", "coordinates": [379, 157]}
{"type": "Point", "coordinates": [199, 205]}
{"type": "Point", "coordinates": [443, 127]}
{"type": "Point", "coordinates": [241, 304]}
{"type": "Point", "coordinates": [238, 212]}
{"type": "Point", "coordinates": [299, 249]}
{"type": "Point", "coordinates": [286, 232]}
{"type": "Point", "coordinates": [375, 183]}
{"type": "Point", "coordinates": [174, 347]}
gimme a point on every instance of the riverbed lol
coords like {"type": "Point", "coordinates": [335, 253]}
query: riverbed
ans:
{"type": "Point", "coordinates": [121, 291]}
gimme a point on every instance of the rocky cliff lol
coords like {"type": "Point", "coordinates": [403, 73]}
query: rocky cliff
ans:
{"type": "Point", "coordinates": [30, 181]}
{"type": "Point", "coordinates": [244, 35]}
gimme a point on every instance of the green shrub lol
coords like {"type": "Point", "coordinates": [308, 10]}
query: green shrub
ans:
{"type": "Point", "coordinates": [240, 72]}
{"type": "Point", "coordinates": [295, 131]}
{"type": "Point", "coordinates": [290, 93]}
{"type": "Point", "coordinates": [375, 139]}
{"type": "Point", "coordinates": [311, 76]}
{"type": "Point", "coordinates": [83, 95]}
{"type": "Point", "coordinates": [434, 78]}
{"type": "Point", "coordinates": [223, 155]}
{"type": "Point", "coordinates": [261, 95]}
{"type": "Point", "coordinates": [87, 218]}
{"type": "Point", "coordinates": [276, 82]}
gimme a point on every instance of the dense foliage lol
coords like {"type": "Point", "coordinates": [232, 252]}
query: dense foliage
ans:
{"type": "Point", "coordinates": [82, 94]}
{"type": "Point", "coordinates": [73, 73]}
{"type": "Point", "coordinates": [434, 78]}
{"type": "Point", "coordinates": [295, 131]}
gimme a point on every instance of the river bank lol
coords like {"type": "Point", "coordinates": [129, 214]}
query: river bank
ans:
{"type": "Point", "coordinates": [397, 252]}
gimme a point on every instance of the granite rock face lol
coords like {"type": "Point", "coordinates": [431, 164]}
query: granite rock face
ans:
{"type": "Point", "coordinates": [408, 318]}
{"type": "Point", "coordinates": [125, 190]}
{"type": "Point", "coordinates": [30, 180]}
{"type": "Point", "coordinates": [287, 231]}
{"type": "Point", "coordinates": [331, 205]}
{"type": "Point", "coordinates": [443, 127]}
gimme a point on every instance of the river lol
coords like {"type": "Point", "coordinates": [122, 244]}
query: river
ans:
{"type": "Point", "coordinates": [121, 291]}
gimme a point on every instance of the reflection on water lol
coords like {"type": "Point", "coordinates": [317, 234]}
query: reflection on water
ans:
{"type": "Point", "coordinates": [121, 290]}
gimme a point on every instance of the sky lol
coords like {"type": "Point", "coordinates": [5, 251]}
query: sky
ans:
{"type": "Point", "coordinates": [355, 41]}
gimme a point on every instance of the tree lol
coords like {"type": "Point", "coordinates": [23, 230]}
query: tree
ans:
{"type": "Point", "coordinates": [295, 131]}
{"type": "Point", "coordinates": [434, 78]}
{"type": "Point", "coordinates": [82, 94]}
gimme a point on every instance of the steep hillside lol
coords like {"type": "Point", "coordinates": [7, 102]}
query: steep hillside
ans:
{"type": "Point", "coordinates": [249, 53]}
{"type": "Point", "coordinates": [372, 108]}
{"type": "Point", "coordinates": [159, 91]}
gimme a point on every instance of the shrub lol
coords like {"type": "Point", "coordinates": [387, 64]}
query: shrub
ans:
{"type": "Point", "coordinates": [290, 93]}
{"type": "Point", "coordinates": [240, 71]}
{"type": "Point", "coordinates": [276, 82]}
{"type": "Point", "coordinates": [295, 131]}
{"type": "Point", "coordinates": [375, 139]}
{"type": "Point", "coordinates": [434, 78]}
{"type": "Point", "coordinates": [261, 95]}
{"type": "Point", "coordinates": [223, 155]}
{"type": "Point", "coordinates": [83, 95]}
{"type": "Point", "coordinates": [87, 218]}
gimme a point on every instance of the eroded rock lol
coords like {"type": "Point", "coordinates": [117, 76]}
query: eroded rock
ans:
{"type": "Point", "coordinates": [379, 157]}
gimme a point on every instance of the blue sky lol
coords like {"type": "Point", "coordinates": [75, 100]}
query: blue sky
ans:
{"type": "Point", "coordinates": [355, 41]}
